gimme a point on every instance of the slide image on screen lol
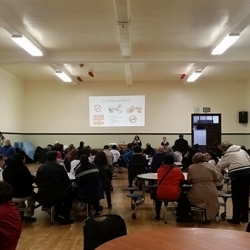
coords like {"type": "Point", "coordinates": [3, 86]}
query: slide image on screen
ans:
{"type": "Point", "coordinates": [116, 111]}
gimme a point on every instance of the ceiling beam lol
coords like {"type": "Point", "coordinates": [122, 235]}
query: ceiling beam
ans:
{"type": "Point", "coordinates": [122, 12]}
{"type": "Point", "coordinates": [128, 74]}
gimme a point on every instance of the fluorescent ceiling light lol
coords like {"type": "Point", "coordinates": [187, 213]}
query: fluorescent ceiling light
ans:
{"type": "Point", "coordinates": [23, 42]}
{"type": "Point", "coordinates": [193, 77]}
{"type": "Point", "coordinates": [229, 40]}
{"type": "Point", "coordinates": [64, 77]}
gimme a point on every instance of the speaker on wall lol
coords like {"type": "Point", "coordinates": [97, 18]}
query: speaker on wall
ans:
{"type": "Point", "coordinates": [243, 117]}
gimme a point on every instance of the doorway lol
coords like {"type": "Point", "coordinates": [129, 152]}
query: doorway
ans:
{"type": "Point", "coordinates": [206, 131]}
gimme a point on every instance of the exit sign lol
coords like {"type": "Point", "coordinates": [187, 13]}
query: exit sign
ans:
{"type": "Point", "coordinates": [206, 109]}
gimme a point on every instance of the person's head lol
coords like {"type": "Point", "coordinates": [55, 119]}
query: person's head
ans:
{"type": "Point", "coordinates": [160, 149]}
{"type": "Point", "coordinates": [6, 192]}
{"type": "Point", "coordinates": [93, 152]}
{"type": "Point", "coordinates": [57, 143]}
{"type": "Point", "coordinates": [106, 147]}
{"type": "Point", "coordinates": [84, 160]}
{"type": "Point", "coordinates": [225, 145]}
{"type": "Point", "coordinates": [6, 142]}
{"type": "Point", "coordinates": [130, 145]}
{"type": "Point", "coordinates": [137, 138]}
{"type": "Point", "coordinates": [174, 148]}
{"type": "Point", "coordinates": [196, 146]}
{"type": "Point", "coordinates": [243, 148]}
{"type": "Point", "coordinates": [198, 158]}
{"type": "Point", "coordinates": [164, 138]}
{"type": "Point", "coordinates": [137, 149]}
{"type": "Point", "coordinates": [114, 147]}
{"type": "Point", "coordinates": [148, 145]}
{"type": "Point", "coordinates": [81, 144]}
{"type": "Point", "coordinates": [60, 147]}
{"type": "Point", "coordinates": [19, 157]}
{"type": "Point", "coordinates": [168, 149]}
{"type": "Point", "coordinates": [101, 159]}
{"type": "Point", "coordinates": [2, 161]}
{"type": "Point", "coordinates": [181, 135]}
{"type": "Point", "coordinates": [169, 159]}
{"type": "Point", "coordinates": [51, 155]}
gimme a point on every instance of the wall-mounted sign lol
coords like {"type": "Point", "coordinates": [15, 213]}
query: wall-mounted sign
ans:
{"type": "Point", "coordinates": [206, 109]}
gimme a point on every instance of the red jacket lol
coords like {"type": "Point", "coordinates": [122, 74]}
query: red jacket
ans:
{"type": "Point", "coordinates": [169, 189]}
{"type": "Point", "coordinates": [10, 226]}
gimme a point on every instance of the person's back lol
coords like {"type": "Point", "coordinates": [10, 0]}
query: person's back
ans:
{"type": "Point", "coordinates": [52, 180]}
{"type": "Point", "coordinates": [137, 163]}
{"type": "Point", "coordinates": [181, 144]}
{"type": "Point", "coordinates": [203, 193]}
{"type": "Point", "coordinates": [19, 177]}
{"type": "Point", "coordinates": [10, 219]}
{"type": "Point", "coordinates": [127, 154]}
{"type": "Point", "coordinates": [109, 155]}
{"type": "Point", "coordinates": [158, 159]}
{"type": "Point", "coordinates": [169, 189]}
{"type": "Point", "coordinates": [149, 150]}
{"type": "Point", "coordinates": [116, 154]}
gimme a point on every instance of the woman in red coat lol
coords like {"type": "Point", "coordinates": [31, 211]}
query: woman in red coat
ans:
{"type": "Point", "coordinates": [169, 187]}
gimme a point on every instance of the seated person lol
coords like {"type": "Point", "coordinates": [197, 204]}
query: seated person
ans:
{"type": "Point", "coordinates": [188, 158]}
{"type": "Point", "coordinates": [169, 151]}
{"type": "Point", "coordinates": [137, 165]}
{"type": "Point", "coordinates": [93, 153]}
{"type": "Point", "coordinates": [89, 183]}
{"type": "Point", "coordinates": [8, 151]}
{"type": "Point", "coordinates": [54, 188]}
{"type": "Point", "coordinates": [158, 159]}
{"type": "Point", "coordinates": [10, 220]}
{"type": "Point", "coordinates": [2, 162]}
{"type": "Point", "coordinates": [101, 163]}
{"type": "Point", "coordinates": [149, 150]}
{"type": "Point", "coordinates": [19, 177]}
{"type": "Point", "coordinates": [212, 159]}
{"type": "Point", "coordinates": [203, 193]}
{"type": "Point", "coordinates": [177, 153]}
{"type": "Point", "coordinates": [127, 154]}
{"type": "Point", "coordinates": [70, 156]}
{"type": "Point", "coordinates": [169, 182]}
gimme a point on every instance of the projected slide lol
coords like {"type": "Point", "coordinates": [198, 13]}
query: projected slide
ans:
{"type": "Point", "coordinates": [116, 111]}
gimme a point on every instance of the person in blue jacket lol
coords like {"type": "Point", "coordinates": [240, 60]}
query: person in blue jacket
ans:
{"type": "Point", "coordinates": [7, 150]}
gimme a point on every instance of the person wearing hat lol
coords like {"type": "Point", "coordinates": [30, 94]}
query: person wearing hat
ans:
{"type": "Point", "coordinates": [238, 163]}
{"type": "Point", "coordinates": [181, 144]}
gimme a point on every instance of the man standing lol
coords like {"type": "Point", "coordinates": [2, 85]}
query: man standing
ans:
{"type": "Point", "coordinates": [7, 150]}
{"type": "Point", "coordinates": [54, 188]}
{"type": "Point", "coordinates": [109, 155]}
{"type": "Point", "coordinates": [182, 144]}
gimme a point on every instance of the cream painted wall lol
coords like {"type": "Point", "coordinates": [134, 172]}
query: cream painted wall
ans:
{"type": "Point", "coordinates": [60, 108]}
{"type": "Point", "coordinates": [12, 91]}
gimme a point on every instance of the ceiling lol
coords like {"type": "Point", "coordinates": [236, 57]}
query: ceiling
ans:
{"type": "Point", "coordinates": [126, 40]}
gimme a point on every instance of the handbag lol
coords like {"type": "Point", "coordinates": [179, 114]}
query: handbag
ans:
{"type": "Point", "coordinates": [154, 191]}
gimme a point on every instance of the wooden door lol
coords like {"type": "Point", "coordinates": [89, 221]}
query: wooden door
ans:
{"type": "Point", "coordinates": [213, 136]}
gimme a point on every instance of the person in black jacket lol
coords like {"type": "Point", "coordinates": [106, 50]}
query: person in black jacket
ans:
{"type": "Point", "coordinates": [158, 159]}
{"type": "Point", "coordinates": [54, 188]}
{"type": "Point", "coordinates": [19, 177]}
{"type": "Point", "coordinates": [181, 144]}
{"type": "Point", "coordinates": [106, 174]}
{"type": "Point", "coordinates": [149, 150]}
{"type": "Point", "coordinates": [89, 183]}
{"type": "Point", "coordinates": [137, 165]}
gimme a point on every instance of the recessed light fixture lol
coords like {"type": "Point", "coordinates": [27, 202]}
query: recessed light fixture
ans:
{"type": "Point", "coordinates": [229, 40]}
{"type": "Point", "coordinates": [27, 45]}
{"type": "Point", "coordinates": [63, 76]}
{"type": "Point", "coordinates": [193, 77]}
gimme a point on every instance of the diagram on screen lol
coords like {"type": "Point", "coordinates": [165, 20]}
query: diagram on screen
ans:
{"type": "Point", "coordinates": [98, 108]}
{"type": "Point", "coordinates": [117, 109]}
{"type": "Point", "coordinates": [132, 109]}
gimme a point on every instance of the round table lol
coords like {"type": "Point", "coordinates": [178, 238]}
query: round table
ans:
{"type": "Point", "coordinates": [153, 176]}
{"type": "Point", "coordinates": [181, 238]}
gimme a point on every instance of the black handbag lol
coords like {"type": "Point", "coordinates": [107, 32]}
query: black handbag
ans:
{"type": "Point", "coordinates": [154, 191]}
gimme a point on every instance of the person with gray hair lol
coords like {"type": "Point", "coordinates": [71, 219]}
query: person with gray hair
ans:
{"type": "Point", "coordinates": [7, 150]}
{"type": "Point", "coordinates": [238, 163]}
{"type": "Point", "coordinates": [169, 151]}
{"type": "Point", "coordinates": [203, 193]}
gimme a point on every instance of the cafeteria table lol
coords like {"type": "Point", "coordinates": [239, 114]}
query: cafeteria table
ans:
{"type": "Point", "coordinates": [181, 238]}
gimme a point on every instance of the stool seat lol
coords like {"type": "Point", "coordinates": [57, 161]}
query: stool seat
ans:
{"type": "Point", "coordinates": [151, 186]}
{"type": "Point", "coordinates": [225, 195]}
{"type": "Point", "coordinates": [135, 196]}
{"type": "Point", "coordinates": [131, 188]}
